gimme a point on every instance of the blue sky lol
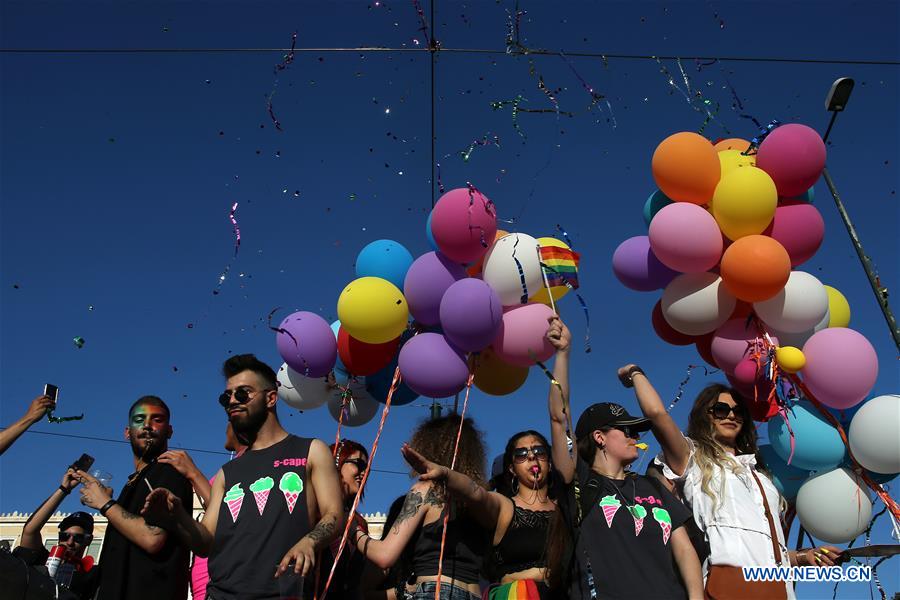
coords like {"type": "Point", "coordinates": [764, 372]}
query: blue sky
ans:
{"type": "Point", "coordinates": [118, 170]}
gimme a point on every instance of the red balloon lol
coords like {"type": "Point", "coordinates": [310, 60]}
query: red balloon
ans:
{"type": "Point", "coordinates": [362, 359]}
{"type": "Point", "coordinates": [704, 348]}
{"type": "Point", "coordinates": [665, 331]}
{"type": "Point", "coordinates": [756, 398]}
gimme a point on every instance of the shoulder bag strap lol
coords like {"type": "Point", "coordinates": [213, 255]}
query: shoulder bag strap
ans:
{"type": "Point", "coordinates": [774, 535]}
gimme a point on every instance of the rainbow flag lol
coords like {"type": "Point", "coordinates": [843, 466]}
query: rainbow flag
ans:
{"type": "Point", "coordinates": [562, 266]}
{"type": "Point", "coordinates": [517, 590]}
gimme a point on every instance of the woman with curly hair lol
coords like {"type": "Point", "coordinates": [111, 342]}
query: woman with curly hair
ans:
{"type": "Point", "coordinates": [421, 520]}
{"type": "Point", "coordinates": [734, 501]}
{"type": "Point", "coordinates": [521, 514]}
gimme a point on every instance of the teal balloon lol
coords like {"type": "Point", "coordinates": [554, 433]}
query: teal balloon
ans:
{"type": "Point", "coordinates": [655, 203]}
{"type": "Point", "coordinates": [340, 371]}
{"type": "Point", "coordinates": [817, 445]}
{"type": "Point", "coordinates": [386, 259]}
{"type": "Point", "coordinates": [786, 478]}
{"type": "Point", "coordinates": [808, 196]}
{"type": "Point", "coordinates": [430, 237]}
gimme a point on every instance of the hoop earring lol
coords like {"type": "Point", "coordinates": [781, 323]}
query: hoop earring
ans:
{"type": "Point", "coordinates": [514, 486]}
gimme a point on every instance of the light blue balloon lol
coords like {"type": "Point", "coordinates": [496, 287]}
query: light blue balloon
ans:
{"type": "Point", "coordinates": [817, 445]}
{"type": "Point", "coordinates": [386, 259]}
{"type": "Point", "coordinates": [429, 235]}
{"type": "Point", "coordinates": [787, 478]}
{"type": "Point", "coordinates": [655, 203]}
{"type": "Point", "coordinates": [340, 370]}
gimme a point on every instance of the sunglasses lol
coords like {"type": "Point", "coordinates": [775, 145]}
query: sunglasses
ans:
{"type": "Point", "coordinates": [358, 462]}
{"type": "Point", "coordinates": [540, 453]}
{"type": "Point", "coordinates": [721, 410]}
{"type": "Point", "coordinates": [242, 395]}
{"type": "Point", "coordinates": [628, 431]}
{"type": "Point", "coordinates": [78, 538]}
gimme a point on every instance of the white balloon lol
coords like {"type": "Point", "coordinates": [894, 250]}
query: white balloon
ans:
{"type": "Point", "coordinates": [359, 410]}
{"type": "Point", "coordinates": [501, 272]}
{"type": "Point", "coordinates": [875, 434]}
{"type": "Point", "coordinates": [798, 339]}
{"type": "Point", "coordinates": [301, 392]}
{"type": "Point", "coordinates": [697, 303]}
{"type": "Point", "coordinates": [798, 307]}
{"type": "Point", "coordinates": [834, 506]}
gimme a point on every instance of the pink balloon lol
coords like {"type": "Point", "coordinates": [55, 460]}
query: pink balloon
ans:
{"type": "Point", "coordinates": [685, 237]}
{"type": "Point", "coordinates": [799, 227]}
{"type": "Point", "coordinates": [464, 224]}
{"type": "Point", "coordinates": [730, 344]}
{"type": "Point", "coordinates": [745, 372]}
{"type": "Point", "coordinates": [793, 155]}
{"type": "Point", "coordinates": [841, 367]}
{"type": "Point", "coordinates": [523, 335]}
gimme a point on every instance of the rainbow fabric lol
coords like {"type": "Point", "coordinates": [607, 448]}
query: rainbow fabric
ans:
{"type": "Point", "coordinates": [517, 590]}
{"type": "Point", "coordinates": [562, 265]}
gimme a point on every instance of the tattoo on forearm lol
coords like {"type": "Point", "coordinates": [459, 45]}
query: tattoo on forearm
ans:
{"type": "Point", "coordinates": [410, 507]}
{"type": "Point", "coordinates": [131, 516]}
{"type": "Point", "coordinates": [323, 530]}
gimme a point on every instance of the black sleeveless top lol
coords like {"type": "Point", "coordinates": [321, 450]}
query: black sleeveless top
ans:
{"type": "Point", "coordinates": [466, 544]}
{"type": "Point", "coordinates": [524, 543]}
{"type": "Point", "coordinates": [263, 514]}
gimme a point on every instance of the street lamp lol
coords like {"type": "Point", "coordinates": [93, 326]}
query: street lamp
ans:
{"type": "Point", "coordinates": [836, 102]}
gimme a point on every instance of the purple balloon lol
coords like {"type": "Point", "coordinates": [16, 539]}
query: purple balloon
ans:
{"type": "Point", "coordinates": [432, 367]}
{"type": "Point", "coordinates": [637, 267]}
{"type": "Point", "coordinates": [426, 281]}
{"type": "Point", "coordinates": [471, 314]}
{"type": "Point", "coordinates": [307, 344]}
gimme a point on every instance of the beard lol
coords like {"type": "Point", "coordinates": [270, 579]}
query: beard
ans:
{"type": "Point", "coordinates": [147, 449]}
{"type": "Point", "coordinates": [247, 424]}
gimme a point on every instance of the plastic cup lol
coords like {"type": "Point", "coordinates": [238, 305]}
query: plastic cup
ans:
{"type": "Point", "coordinates": [102, 477]}
{"type": "Point", "coordinates": [290, 585]}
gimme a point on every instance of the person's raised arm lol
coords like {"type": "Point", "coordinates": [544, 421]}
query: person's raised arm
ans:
{"type": "Point", "coordinates": [182, 462]}
{"type": "Point", "coordinates": [327, 488]}
{"type": "Point", "coordinates": [36, 411]}
{"type": "Point", "coordinates": [676, 450]}
{"type": "Point", "coordinates": [485, 506]}
{"type": "Point", "coordinates": [385, 552]}
{"type": "Point", "coordinates": [558, 401]}
{"type": "Point", "coordinates": [688, 564]}
{"type": "Point", "coordinates": [31, 533]}
{"type": "Point", "coordinates": [164, 507]}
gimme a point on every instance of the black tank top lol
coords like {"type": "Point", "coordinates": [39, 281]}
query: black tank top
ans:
{"type": "Point", "coordinates": [466, 544]}
{"type": "Point", "coordinates": [263, 514]}
{"type": "Point", "coordinates": [524, 543]}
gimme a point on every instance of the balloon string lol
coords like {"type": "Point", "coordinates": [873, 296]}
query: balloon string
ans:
{"type": "Point", "coordinates": [684, 382]}
{"type": "Point", "coordinates": [384, 413]}
{"type": "Point", "coordinates": [462, 420]}
{"type": "Point", "coordinates": [546, 282]}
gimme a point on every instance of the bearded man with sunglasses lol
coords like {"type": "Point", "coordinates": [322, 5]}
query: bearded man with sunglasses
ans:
{"type": "Point", "coordinates": [272, 508]}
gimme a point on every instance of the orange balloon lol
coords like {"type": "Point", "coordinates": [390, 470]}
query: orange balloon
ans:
{"type": "Point", "coordinates": [495, 377]}
{"type": "Point", "coordinates": [732, 144]}
{"type": "Point", "coordinates": [686, 168]}
{"type": "Point", "coordinates": [755, 268]}
{"type": "Point", "coordinates": [475, 269]}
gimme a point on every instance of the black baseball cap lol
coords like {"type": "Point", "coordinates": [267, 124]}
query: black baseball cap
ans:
{"type": "Point", "coordinates": [607, 414]}
{"type": "Point", "coordinates": [81, 519]}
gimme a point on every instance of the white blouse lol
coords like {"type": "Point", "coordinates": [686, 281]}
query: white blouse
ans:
{"type": "Point", "coordinates": [737, 529]}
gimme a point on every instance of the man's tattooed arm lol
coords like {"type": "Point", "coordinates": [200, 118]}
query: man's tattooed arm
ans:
{"type": "Point", "coordinates": [323, 532]}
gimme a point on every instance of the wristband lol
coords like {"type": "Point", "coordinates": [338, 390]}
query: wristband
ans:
{"type": "Point", "coordinates": [627, 378]}
{"type": "Point", "coordinates": [106, 507]}
{"type": "Point", "coordinates": [64, 490]}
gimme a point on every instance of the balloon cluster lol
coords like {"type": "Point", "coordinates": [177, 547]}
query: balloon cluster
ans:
{"type": "Point", "coordinates": [728, 227]}
{"type": "Point", "coordinates": [476, 304]}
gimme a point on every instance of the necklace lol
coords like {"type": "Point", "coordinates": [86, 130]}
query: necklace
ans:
{"type": "Point", "coordinates": [619, 493]}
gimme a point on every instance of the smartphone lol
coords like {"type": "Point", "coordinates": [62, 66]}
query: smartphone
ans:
{"type": "Point", "coordinates": [52, 391]}
{"type": "Point", "coordinates": [84, 463]}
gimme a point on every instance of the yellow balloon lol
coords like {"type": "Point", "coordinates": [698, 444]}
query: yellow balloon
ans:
{"type": "Point", "coordinates": [790, 359]}
{"type": "Point", "coordinates": [838, 308]}
{"type": "Point", "coordinates": [744, 202]}
{"type": "Point", "coordinates": [557, 291]}
{"type": "Point", "coordinates": [730, 160]}
{"type": "Point", "coordinates": [373, 310]}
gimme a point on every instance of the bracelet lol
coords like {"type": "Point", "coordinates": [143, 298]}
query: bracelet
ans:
{"type": "Point", "coordinates": [64, 490]}
{"type": "Point", "coordinates": [106, 507]}
{"type": "Point", "coordinates": [627, 378]}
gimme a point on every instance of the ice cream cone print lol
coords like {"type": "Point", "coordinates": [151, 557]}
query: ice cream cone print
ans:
{"type": "Point", "coordinates": [234, 498]}
{"type": "Point", "coordinates": [291, 486]}
{"type": "Point", "coordinates": [609, 504]}
{"type": "Point", "coordinates": [665, 522]}
{"type": "Point", "coordinates": [638, 513]}
{"type": "Point", "coordinates": [261, 488]}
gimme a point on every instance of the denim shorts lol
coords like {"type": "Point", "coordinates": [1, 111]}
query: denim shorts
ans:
{"type": "Point", "coordinates": [425, 591]}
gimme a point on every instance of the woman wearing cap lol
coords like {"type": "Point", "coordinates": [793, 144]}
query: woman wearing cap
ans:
{"type": "Point", "coordinates": [734, 502]}
{"type": "Point", "coordinates": [421, 520]}
{"type": "Point", "coordinates": [627, 528]}
{"type": "Point", "coordinates": [521, 514]}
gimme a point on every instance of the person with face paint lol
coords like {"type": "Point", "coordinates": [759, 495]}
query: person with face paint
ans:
{"type": "Point", "coordinates": [734, 501]}
{"type": "Point", "coordinates": [75, 535]}
{"type": "Point", "coordinates": [271, 509]}
{"type": "Point", "coordinates": [627, 528]}
{"type": "Point", "coordinates": [141, 559]}
{"type": "Point", "coordinates": [521, 515]}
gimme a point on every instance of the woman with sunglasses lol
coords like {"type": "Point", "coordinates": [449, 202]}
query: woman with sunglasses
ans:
{"type": "Point", "coordinates": [628, 529]}
{"type": "Point", "coordinates": [734, 502]}
{"type": "Point", "coordinates": [427, 507]}
{"type": "Point", "coordinates": [521, 514]}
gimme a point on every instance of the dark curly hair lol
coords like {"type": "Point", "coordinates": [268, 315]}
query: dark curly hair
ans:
{"type": "Point", "coordinates": [248, 362]}
{"type": "Point", "coordinates": [436, 438]}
